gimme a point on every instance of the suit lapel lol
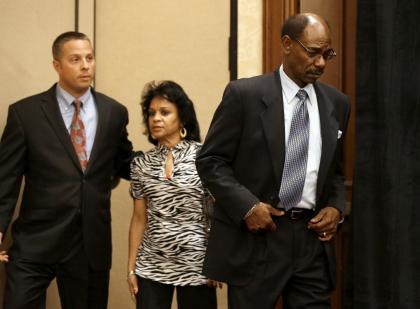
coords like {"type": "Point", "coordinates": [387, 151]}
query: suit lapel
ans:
{"type": "Point", "coordinates": [103, 109]}
{"type": "Point", "coordinates": [329, 131]}
{"type": "Point", "coordinates": [53, 114]}
{"type": "Point", "coordinates": [273, 124]}
{"type": "Point", "coordinates": [272, 119]}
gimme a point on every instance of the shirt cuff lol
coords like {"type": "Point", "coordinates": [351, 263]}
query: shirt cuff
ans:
{"type": "Point", "coordinates": [250, 211]}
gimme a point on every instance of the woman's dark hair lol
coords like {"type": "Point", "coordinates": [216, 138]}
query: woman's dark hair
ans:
{"type": "Point", "coordinates": [174, 93]}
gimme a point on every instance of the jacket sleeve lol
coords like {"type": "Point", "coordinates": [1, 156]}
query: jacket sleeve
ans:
{"type": "Point", "coordinates": [336, 197]}
{"type": "Point", "coordinates": [216, 159]}
{"type": "Point", "coordinates": [12, 166]}
{"type": "Point", "coordinates": [125, 151]}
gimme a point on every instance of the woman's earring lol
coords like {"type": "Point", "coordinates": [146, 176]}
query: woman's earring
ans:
{"type": "Point", "coordinates": [183, 132]}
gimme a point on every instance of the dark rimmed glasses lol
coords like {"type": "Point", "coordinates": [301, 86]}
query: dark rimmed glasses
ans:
{"type": "Point", "coordinates": [327, 55]}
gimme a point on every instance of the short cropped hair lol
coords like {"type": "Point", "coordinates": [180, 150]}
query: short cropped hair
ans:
{"type": "Point", "coordinates": [174, 93]}
{"type": "Point", "coordinates": [294, 26]}
{"type": "Point", "coordinates": [64, 38]}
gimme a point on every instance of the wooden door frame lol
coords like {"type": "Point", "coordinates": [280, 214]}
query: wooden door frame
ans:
{"type": "Point", "coordinates": [271, 29]}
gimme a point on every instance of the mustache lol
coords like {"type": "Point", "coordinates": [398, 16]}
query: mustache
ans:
{"type": "Point", "coordinates": [316, 72]}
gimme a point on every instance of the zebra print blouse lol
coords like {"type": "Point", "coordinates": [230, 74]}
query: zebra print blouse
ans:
{"type": "Point", "coordinates": [174, 243]}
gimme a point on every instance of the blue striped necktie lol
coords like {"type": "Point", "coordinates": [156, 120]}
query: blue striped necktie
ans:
{"type": "Point", "coordinates": [294, 171]}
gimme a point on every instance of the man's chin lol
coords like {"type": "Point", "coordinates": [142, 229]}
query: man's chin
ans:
{"type": "Point", "coordinates": [84, 86]}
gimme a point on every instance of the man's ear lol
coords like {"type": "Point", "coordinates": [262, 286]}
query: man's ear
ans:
{"type": "Point", "coordinates": [56, 65]}
{"type": "Point", "coordinates": [286, 43]}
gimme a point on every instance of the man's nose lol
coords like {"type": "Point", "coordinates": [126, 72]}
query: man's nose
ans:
{"type": "Point", "coordinates": [85, 63]}
{"type": "Point", "coordinates": [320, 61]}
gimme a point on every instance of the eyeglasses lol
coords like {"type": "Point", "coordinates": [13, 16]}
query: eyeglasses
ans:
{"type": "Point", "coordinates": [327, 55]}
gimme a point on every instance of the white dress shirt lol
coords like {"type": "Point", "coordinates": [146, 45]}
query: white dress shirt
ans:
{"type": "Point", "coordinates": [290, 89]}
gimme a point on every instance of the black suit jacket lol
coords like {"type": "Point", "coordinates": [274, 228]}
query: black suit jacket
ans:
{"type": "Point", "coordinates": [35, 144]}
{"type": "Point", "coordinates": [241, 162]}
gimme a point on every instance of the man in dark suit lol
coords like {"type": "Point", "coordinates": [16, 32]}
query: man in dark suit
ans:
{"type": "Point", "coordinates": [272, 161]}
{"type": "Point", "coordinates": [70, 144]}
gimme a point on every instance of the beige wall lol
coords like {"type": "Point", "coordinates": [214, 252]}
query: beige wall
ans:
{"type": "Point", "coordinates": [27, 29]}
{"type": "Point", "coordinates": [136, 42]}
{"type": "Point", "coordinates": [250, 22]}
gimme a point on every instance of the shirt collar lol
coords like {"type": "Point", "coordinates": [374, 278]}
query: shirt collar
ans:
{"type": "Point", "coordinates": [68, 99]}
{"type": "Point", "coordinates": [183, 144]}
{"type": "Point", "coordinates": [290, 88]}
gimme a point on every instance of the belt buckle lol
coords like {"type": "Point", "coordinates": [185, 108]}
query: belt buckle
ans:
{"type": "Point", "coordinates": [295, 214]}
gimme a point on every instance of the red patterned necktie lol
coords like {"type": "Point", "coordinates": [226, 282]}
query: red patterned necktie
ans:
{"type": "Point", "coordinates": [77, 135]}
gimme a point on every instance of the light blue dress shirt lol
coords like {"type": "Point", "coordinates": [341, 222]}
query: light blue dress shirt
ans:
{"type": "Point", "coordinates": [88, 114]}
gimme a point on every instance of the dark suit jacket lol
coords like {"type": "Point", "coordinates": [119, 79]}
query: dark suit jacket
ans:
{"type": "Point", "coordinates": [35, 144]}
{"type": "Point", "coordinates": [241, 162]}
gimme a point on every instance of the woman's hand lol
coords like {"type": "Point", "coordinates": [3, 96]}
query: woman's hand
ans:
{"type": "Point", "coordinates": [133, 286]}
{"type": "Point", "coordinates": [4, 257]}
{"type": "Point", "coordinates": [214, 284]}
{"type": "Point", "coordinates": [3, 254]}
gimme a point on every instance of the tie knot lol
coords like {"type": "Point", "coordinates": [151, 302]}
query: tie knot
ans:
{"type": "Point", "coordinates": [77, 104]}
{"type": "Point", "coordinates": [302, 95]}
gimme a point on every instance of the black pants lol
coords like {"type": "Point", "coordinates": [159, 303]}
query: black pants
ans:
{"type": "Point", "coordinates": [78, 285]}
{"type": "Point", "coordinates": [292, 263]}
{"type": "Point", "coordinates": [155, 295]}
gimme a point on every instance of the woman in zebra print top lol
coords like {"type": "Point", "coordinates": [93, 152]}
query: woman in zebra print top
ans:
{"type": "Point", "coordinates": [167, 238]}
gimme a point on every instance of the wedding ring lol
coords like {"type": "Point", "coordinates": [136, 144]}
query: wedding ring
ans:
{"type": "Point", "coordinates": [324, 234]}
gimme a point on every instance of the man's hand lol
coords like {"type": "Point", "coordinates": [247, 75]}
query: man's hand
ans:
{"type": "Point", "coordinates": [325, 223]}
{"type": "Point", "coordinates": [260, 218]}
